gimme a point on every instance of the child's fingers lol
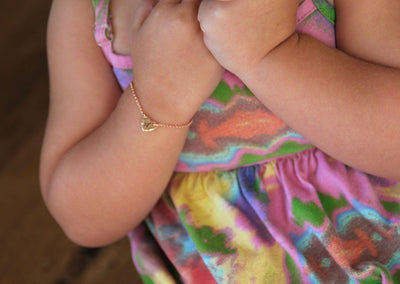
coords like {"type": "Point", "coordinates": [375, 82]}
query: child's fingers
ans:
{"type": "Point", "coordinates": [191, 9]}
{"type": "Point", "coordinates": [209, 10]}
{"type": "Point", "coordinates": [192, 4]}
{"type": "Point", "coordinates": [170, 1]}
{"type": "Point", "coordinates": [141, 12]}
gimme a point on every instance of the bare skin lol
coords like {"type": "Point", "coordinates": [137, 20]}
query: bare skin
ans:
{"type": "Point", "coordinates": [100, 175]}
{"type": "Point", "coordinates": [121, 21]}
{"type": "Point", "coordinates": [344, 101]}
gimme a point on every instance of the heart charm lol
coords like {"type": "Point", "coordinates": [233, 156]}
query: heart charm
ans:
{"type": "Point", "coordinates": [147, 124]}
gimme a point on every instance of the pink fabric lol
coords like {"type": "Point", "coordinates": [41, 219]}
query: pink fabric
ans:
{"type": "Point", "coordinates": [125, 62]}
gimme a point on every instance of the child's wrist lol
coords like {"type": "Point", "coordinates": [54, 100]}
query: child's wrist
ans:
{"type": "Point", "coordinates": [148, 124]}
{"type": "Point", "coordinates": [285, 48]}
{"type": "Point", "coordinates": [163, 104]}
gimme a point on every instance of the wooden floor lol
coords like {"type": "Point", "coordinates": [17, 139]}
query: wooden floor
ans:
{"type": "Point", "coordinates": [33, 248]}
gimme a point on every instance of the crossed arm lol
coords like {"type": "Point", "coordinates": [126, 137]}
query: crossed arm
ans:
{"type": "Point", "coordinates": [344, 101]}
{"type": "Point", "coordinates": [88, 180]}
{"type": "Point", "coordinates": [347, 103]}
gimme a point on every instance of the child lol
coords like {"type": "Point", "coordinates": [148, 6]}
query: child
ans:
{"type": "Point", "coordinates": [239, 197]}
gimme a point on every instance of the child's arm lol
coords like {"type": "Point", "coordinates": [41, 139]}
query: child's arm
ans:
{"type": "Point", "coordinates": [100, 174]}
{"type": "Point", "coordinates": [347, 104]}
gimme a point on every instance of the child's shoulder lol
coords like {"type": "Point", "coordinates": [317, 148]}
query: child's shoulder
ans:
{"type": "Point", "coordinates": [67, 13]}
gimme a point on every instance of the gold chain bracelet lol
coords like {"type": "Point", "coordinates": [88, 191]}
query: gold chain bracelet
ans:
{"type": "Point", "coordinates": [147, 123]}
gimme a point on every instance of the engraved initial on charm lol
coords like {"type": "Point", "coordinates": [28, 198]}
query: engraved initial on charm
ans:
{"type": "Point", "coordinates": [147, 124]}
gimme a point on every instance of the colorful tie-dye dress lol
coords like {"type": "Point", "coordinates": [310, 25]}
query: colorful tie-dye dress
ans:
{"type": "Point", "coordinates": [252, 201]}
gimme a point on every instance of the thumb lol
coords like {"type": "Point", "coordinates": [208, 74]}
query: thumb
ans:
{"type": "Point", "coordinates": [210, 7]}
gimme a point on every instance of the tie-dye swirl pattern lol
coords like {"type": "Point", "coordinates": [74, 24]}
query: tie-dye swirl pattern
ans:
{"type": "Point", "coordinates": [232, 128]}
{"type": "Point", "coordinates": [254, 202]}
{"type": "Point", "coordinates": [302, 219]}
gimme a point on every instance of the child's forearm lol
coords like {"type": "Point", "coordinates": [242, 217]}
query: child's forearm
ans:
{"type": "Point", "coordinates": [107, 183]}
{"type": "Point", "coordinates": [100, 174]}
{"type": "Point", "coordinates": [347, 107]}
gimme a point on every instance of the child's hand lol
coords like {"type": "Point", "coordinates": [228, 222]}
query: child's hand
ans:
{"type": "Point", "coordinates": [174, 72]}
{"type": "Point", "coordinates": [239, 33]}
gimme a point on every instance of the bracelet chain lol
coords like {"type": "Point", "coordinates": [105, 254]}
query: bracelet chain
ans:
{"type": "Point", "coordinates": [147, 123]}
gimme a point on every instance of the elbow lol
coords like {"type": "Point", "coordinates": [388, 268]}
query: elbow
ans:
{"type": "Point", "coordinates": [93, 231]}
{"type": "Point", "coordinates": [87, 233]}
{"type": "Point", "coordinates": [86, 237]}
{"type": "Point", "coordinates": [86, 216]}
{"type": "Point", "coordinates": [81, 239]}
{"type": "Point", "coordinates": [83, 224]}
{"type": "Point", "coordinates": [86, 230]}
{"type": "Point", "coordinates": [81, 231]}
{"type": "Point", "coordinates": [396, 177]}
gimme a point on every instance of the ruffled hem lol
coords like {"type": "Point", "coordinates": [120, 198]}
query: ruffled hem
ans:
{"type": "Point", "coordinates": [306, 218]}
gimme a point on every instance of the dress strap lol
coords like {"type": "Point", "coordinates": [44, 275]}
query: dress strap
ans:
{"type": "Point", "coordinates": [326, 9]}
{"type": "Point", "coordinates": [304, 10]}
{"type": "Point", "coordinates": [102, 29]}
{"type": "Point", "coordinates": [104, 35]}
{"type": "Point", "coordinates": [309, 6]}
{"type": "Point", "coordinates": [317, 18]}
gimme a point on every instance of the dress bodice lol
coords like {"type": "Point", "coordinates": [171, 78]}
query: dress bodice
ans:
{"type": "Point", "coordinates": [232, 128]}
